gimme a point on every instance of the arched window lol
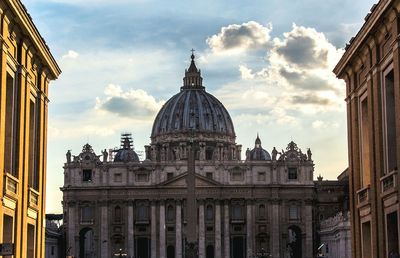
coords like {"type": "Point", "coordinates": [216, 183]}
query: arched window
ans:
{"type": "Point", "coordinates": [117, 214]}
{"type": "Point", "coordinates": [262, 211]}
{"type": "Point", "coordinates": [209, 212]}
{"type": "Point", "coordinates": [170, 213]}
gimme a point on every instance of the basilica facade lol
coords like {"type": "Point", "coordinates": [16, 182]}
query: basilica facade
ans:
{"type": "Point", "coordinates": [192, 195]}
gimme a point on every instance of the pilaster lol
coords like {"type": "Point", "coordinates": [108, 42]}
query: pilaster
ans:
{"type": "Point", "coordinates": [162, 229]}
{"type": "Point", "coordinates": [226, 230]}
{"type": "Point", "coordinates": [201, 230]}
{"type": "Point", "coordinates": [153, 230]}
{"type": "Point", "coordinates": [131, 238]}
{"type": "Point", "coordinates": [178, 230]}
{"type": "Point", "coordinates": [217, 230]}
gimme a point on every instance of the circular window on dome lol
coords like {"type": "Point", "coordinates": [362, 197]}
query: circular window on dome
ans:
{"type": "Point", "coordinates": [87, 157]}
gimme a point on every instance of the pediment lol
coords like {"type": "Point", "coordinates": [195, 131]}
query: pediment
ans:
{"type": "Point", "coordinates": [180, 181]}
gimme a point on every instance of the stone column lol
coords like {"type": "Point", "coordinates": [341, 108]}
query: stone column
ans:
{"type": "Point", "coordinates": [104, 239]}
{"type": "Point", "coordinates": [249, 228]}
{"type": "Point", "coordinates": [153, 230]}
{"type": "Point", "coordinates": [178, 230]}
{"type": "Point", "coordinates": [217, 230]}
{"type": "Point", "coordinates": [275, 233]}
{"type": "Point", "coordinates": [131, 239]}
{"type": "Point", "coordinates": [226, 230]}
{"type": "Point", "coordinates": [71, 230]}
{"type": "Point", "coordinates": [202, 248]}
{"type": "Point", "coordinates": [162, 230]}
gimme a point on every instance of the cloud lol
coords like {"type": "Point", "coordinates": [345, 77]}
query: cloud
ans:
{"type": "Point", "coordinates": [246, 36]}
{"type": "Point", "coordinates": [293, 83]}
{"type": "Point", "coordinates": [71, 54]}
{"type": "Point", "coordinates": [311, 99]}
{"type": "Point", "coordinates": [318, 124]}
{"type": "Point", "coordinates": [245, 73]}
{"type": "Point", "coordinates": [130, 104]}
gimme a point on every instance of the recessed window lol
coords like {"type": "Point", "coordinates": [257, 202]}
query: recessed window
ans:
{"type": "Point", "coordinates": [237, 176]}
{"type": "Point", "coordinates": [261, 176]}
{"type": "Point", "coordinates": [209, 212]}
{"type": "Point", "coordinates": [209, 154]}
{"type": "Point", "coordinates": [87, 214]}
{"type": "Point", "coordinates": [87, 175]}
{"type": "Point", "coordinates": [170, 213]}
{"type": "Point", "coordinates": [261, 210]}
{"type": "Point", "coordinates": [293, 212]}
{"type": "Point", "coordinates": [170, 175]}
{"type": "Point", "coordinates": [118, 177]}
{"type": "Point", "coordinates": [118, 214]}
{"type": "Point", "coordinates": [237, 213]}
{"type": "Point", "coordinates": [390, 123]}
{"type": "Point", "coordinates": [209, 175]}
{"type": "Point", "coordinates": [142, 177]}
{"type": "Point", "coordinates": [142, 212]}
{"type": "Point", "coordinates": [292, 173]}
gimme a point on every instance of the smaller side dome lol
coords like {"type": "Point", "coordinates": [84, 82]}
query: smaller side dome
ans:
{"type": "Point", "coordinates": [258, 153]}
{"type": "Point", "coordinates": [126, 153]}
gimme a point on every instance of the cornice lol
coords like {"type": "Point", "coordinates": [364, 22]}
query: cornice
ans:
{"type": "Point", "coordinates": [29, 27]}
{"type": "Point", "coordinates": [371, 20]}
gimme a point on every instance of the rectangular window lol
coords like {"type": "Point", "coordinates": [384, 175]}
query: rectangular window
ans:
{"type": "Point", "coordinates": [261, 176]}
{"type": "Point", "coordinates": [392, 235]}
{"type": "Point", "coordinates": [87, 214]}
{"type": "Point", "coordinates": [8, 232]}
{"type": "Point", "coordinates": [237, 213]}
{"type": "Point", "coordinates": [237, 176]}
{"type": "Point", "coordinates": [170, 175]}
{"type": "Point", "coordinates": [30, 251]}
{"type": "Point", "coordinates": [142, 177]}
{"type": "Point", "coordinates": [390, 122]}
{"type": "Point", "coordinates": [366, 239]}
{"type": "Point", "coordinates": [87, 175]}
{"type": "Point", "coordinates": [118, 177]}
{"type": "Point", "coordinates": [292, 173]}
{"type": "Point", "coordinates": [12, 112]}
{"type": "Point", "coordinates": [209, 175]}
{"type": "Point", "coordinates": [364, 131]}
{"type": "Point", "coordinates": [142, 212]}
{"type": "Point", "coordinates": [33, 157]}
{"type": "Point", "coordinates": [293, 212]}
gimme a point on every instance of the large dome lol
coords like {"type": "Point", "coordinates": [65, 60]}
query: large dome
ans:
{"type": "Point", "coordinates": [193, 111]}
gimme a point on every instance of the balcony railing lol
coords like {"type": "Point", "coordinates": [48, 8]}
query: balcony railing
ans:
{"type": "Point", "coordinates": [363, 195]}
{"type": "Point", "coordinates": [11, 185]}
{"type": "Point", "coordinates": [33, 198]}
{"type": "Point", "coordinates": [388, 181]}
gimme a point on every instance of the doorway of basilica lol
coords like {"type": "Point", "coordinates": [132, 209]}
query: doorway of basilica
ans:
{"type": "Point", "coordinates": [142, 247]}
{"type": "Point", "coordinates": [238, 247]}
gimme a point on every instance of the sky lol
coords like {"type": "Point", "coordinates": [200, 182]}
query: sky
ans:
{"type": "Point", "coordinates": [269, 62]}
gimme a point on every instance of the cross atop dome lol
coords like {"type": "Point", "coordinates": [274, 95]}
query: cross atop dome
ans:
{"type": "Point", "coordinates": [192, 79]}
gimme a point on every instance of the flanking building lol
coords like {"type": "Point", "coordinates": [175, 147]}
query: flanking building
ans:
{"type": "Point", "coordinates": [27, 67]}
{"type": "Point", "coordinates": [370, 68]}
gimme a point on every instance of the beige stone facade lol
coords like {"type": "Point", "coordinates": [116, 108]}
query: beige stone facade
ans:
{"type": "Point", "coordinates": [27, 67]}
{"type": "Point", "coordinates": [370, 68]}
